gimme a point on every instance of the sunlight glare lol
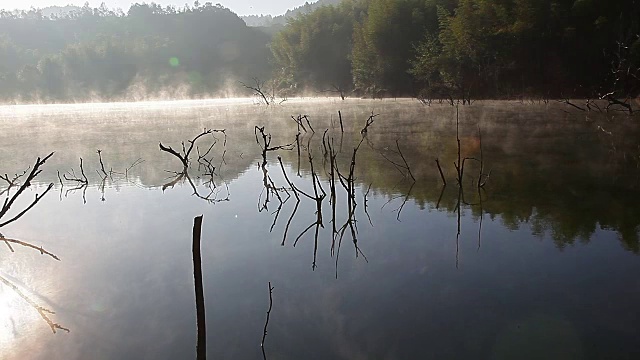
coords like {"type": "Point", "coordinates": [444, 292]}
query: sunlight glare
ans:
{"type": "Point", "coordinates": [16, 318]}
{"type": "Point", "coordinates": [8, 302]}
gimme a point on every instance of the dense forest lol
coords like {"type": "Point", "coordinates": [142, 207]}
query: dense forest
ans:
{"type": "Point", "coordinates": [425, 48]}
{"type": "Point", "coordinates": [478, 48]}
{"type": "Point", "coordinates": [150, 51]}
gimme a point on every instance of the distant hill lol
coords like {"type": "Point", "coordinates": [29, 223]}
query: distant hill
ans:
{"type": "Point", "coordinates": [149, 52]}
{"type": "Point", "coordinates": [268, 20]}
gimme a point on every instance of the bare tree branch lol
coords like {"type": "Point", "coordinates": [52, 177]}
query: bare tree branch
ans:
{"type": "Point", "coordinates": [26, 244]}
{"type": "Point", "coordinates": [10, 200]}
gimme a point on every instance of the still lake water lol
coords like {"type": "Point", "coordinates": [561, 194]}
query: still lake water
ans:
{"type": "Point", "coordinates": [541, 263]}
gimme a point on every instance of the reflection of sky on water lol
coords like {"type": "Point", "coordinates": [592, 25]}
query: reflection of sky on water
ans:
{"type": "Point", "coordinates": [125, 284]}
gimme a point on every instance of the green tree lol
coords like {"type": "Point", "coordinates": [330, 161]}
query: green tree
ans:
{"type": "Point", "coordinates": [313, 49]}
{"type": "Point", "coordinates": [383, 45]}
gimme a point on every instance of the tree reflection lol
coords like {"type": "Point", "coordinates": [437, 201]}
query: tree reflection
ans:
{"type": "Point", "coordinates": [542, 174]}
{"type": "Point", "coordinates": [564, 185]}
{"type": "Point", "coordinates": [210, 193]}
{"type": "Point", "coordinates": [80, 183]}
{"type": "Point", "coordinates": [270, 190]}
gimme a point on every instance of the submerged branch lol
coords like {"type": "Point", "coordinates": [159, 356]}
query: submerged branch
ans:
{"type": "Point", "coordinates": [35, 201]}
{"type": "Point", "coordinates": [186, 152]}
{"type": "Point", "coordinates": [26, 244]}
{"type": "Point", "coordinates": [10, 200]}
{"type": "Point", "coordinates": [259, 91]}
{"type": "Point", "coordinates": [369, 122]}
{"type": "Point", "coordinates": [72, 175]}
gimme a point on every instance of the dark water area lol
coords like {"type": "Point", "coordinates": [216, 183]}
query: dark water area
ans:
{"type": "Point", "coordinates": [541, 262]}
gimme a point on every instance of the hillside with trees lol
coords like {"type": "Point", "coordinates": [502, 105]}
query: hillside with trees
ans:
{"type": "Point", "coordinates": [464, 48]}
{"type": "Point", "coordinates": [150, 51]}
{"type": "Point", "coordinates": [424, 48]}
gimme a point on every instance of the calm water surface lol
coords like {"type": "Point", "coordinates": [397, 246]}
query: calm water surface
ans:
{"type": "Point", "coordinates": [541, 263]}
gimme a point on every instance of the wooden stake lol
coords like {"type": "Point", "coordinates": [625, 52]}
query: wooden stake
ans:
{"type": "Point", "coordinates": [201, 345]}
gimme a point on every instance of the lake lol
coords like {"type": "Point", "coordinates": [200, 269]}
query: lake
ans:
{"type": "Point", "coordinates": [539, 262]}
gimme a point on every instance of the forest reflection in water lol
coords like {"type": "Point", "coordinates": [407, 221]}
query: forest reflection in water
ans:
{"type": "Point", "coordinates": [281, 191]}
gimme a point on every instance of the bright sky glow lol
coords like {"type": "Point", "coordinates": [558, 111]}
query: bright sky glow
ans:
{"type": "Point", "coordinates": [240, 7]}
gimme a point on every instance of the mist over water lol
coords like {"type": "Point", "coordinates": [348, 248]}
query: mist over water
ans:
{"type": "Point", "coordinates": [539, 262]}
{"type": "Point", "coordinates": [363, 192]}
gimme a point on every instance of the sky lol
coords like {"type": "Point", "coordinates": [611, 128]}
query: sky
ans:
{"type": "Point", "coordinates": [240, 7]}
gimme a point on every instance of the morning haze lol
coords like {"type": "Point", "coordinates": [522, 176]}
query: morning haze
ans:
{"type": "Point", "coordinates": [346, 179]}
{"type": "Point", "coordinates": [240, 7]}
{"type": "Point", "coordinates": [373, 48]}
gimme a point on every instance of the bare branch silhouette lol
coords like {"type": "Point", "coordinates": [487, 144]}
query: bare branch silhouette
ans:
{"type": "Point", "coordinates": [183, 156]}
{"type": "Point", "coordinates": [10, 199]}
{"type": "Point", "coordinates": [266, 323]}
{"type": "Point", "coordinates": [369, 122]}
{"type": "Point", "coordinates": [72, 175]}
{"type": "Point", "coordinates": [26, 244]}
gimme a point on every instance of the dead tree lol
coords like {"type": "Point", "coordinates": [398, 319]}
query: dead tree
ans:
{"type": "Point", "coordinates": [400, 167]}
{"type": "Point", "coordinates": [81, 182]}
{"type": "Point", "coordinates": [212, 192]}
{"type": "Point", "coordinates": [612, 101]}
{"type": "Point", "coordinates": [268, 185]}
{"type": "Point", "coordinates": [337, 90]}
{"type": "Point", "coordinates": [348, 183]}
{"type": "Point", "coordinates": [568, 102]}
{"type": "Point", "coordinates": [13, 181]}
{"type": "Point", "coordinates": [183, 156]}
{"type": "Point", "coordinates": [8, 202]}
{"type": "Point", "coordinates": [298, 121]}
{"type": "Point", "coordinates": [368, 123]}
{"type": "Point", "coordinates": [625, 70]}
{"type": "Point", "coordinates": [265, 146]}
{"type": "Point", "coordinates": [11, 199]}
{"type": "Point", "coordinates": [71, 176]}
{"type": "Point", "coordinates": [260, 92]}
